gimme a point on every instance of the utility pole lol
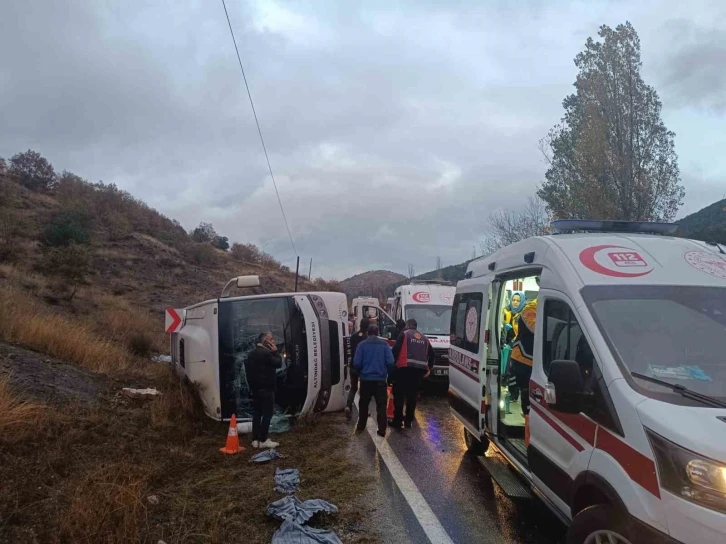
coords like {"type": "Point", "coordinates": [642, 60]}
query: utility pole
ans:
{"type": "Point", "coordinates": [438, 263]}
{"type": "Point", "coordinates": [297, 271]}
{"type": "Point", "coordinates": [310, 270]}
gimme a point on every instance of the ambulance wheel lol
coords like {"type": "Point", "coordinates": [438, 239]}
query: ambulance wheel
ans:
{"type": "Point", "coordinates": [475, 445]}
{"type": "Point", "coordinates": [599, 523]}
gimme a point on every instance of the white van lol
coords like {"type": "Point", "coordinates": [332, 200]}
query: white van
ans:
{"type": "Point", "coordinates": [628, 386]}
{"type": "Point", "coordinates": [311, 332]}
{"type": "Point", "coordinates": [369, 308]}
{"type": "Point", "coordinates": [429, 303]}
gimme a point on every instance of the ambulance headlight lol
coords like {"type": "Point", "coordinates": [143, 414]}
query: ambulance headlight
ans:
{"type": "Point", "coordinates": [689, 475]}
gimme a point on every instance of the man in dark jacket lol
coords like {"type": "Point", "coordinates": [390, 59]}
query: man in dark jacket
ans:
{"type": "Point", "coordinates": [373, 360]}
{"type": "Point", "coordinates": [356, 339]}
{"type": "Point", "coordinates": [414, 359]}
{"type": "Point", "coordinates": [261, 369]}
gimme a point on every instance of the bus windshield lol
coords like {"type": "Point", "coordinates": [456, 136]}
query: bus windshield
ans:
{"type": "Point", "coordinates": [673, 333]}
{"type": "Point", "coordinates": [240, 323]}
{"type": "Point", "coordinates": [431, 319]}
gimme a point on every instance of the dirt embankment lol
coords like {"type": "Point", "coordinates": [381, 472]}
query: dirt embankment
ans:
{"type": "Point", "coordinates": [90, 465]}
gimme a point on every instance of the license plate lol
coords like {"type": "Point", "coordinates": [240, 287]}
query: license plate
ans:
{"type": "Point", "coordinates": [441, 371]}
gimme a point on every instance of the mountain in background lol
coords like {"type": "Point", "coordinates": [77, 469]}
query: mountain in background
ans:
{"type": "Point", "coordinates": [708, 224]}
{"type": "Point", "coordinates": [376, 283]}
{"type": "Point", "coordinates": [382, 283]}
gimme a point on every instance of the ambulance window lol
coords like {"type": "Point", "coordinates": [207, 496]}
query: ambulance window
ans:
{"type": "Point", "coordinates": [466, 321]}
{"type": "Point", "coordinates": [564, 340]}
{"type": "Point", "coordinates": [562, 336]}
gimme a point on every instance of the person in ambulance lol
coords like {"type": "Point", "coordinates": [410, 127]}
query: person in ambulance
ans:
{"type": "Point", "coordinates": [522, 353]}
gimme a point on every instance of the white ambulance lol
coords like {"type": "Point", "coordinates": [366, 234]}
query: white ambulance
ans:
{"type": "Point", "coordinates": [210, 342]}
{"type": "Point", "coordinates": [429, 303]}
{"type": "Point", "coordinates": [369, 308]}
{"type": "Point", "coordinates": [627, 416]}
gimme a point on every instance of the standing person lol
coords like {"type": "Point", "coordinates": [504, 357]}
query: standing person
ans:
{"type": "Point", "coordinates": [373, 359]}
{"type": "Point", "coordinates": [414, 359]}
{"type": "Point", "coordinates": [355, 340]}
{"type": "Point", "coordinates": [522, 355]}
{"type": "Point", "coordinates": [400, 327]}
{"type": "Point", "coordinates": [261, 369]}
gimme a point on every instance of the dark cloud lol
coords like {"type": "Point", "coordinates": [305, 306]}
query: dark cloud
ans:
{"type": "Point", "coordinates": [393, 133]}
{"type": "Point", "coordinates": [691, 70]}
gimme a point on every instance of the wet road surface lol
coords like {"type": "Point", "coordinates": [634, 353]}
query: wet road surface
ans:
{"type": "Point", "coordinates": [468, 504]}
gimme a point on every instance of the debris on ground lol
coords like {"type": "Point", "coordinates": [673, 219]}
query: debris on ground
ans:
{"type": "Point", "coordinates": [293, 509]}
{"type": "Point", "coordinates": [287, 480]}
{"type": "Point", "coordinates": [294, 533]}
{"type": "Point", "coordinates": [280, 424]}
{"type": "Point", "coordinates": [265, 456]}
{"type": "Point", "coordinates": [153, 499]}
{"type": "Point", "coordinates": [161, 358]}
{"type": "Point", "coordinates": [140, 393]}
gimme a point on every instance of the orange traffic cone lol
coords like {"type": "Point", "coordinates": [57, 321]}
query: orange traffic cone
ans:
{"type": "Point", "coordinates": [232, 446]}
{"type": "Point", "coordinates": [390, 407]}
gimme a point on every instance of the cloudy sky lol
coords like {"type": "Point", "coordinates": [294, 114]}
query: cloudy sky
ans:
{"type": "Point", "coordinates": [394, 128]}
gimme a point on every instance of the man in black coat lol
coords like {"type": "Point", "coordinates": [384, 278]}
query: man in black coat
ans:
{"type": "Point", "coordinates": [356, 339]}
{"type": "Point", "coordinates": [261, 369]}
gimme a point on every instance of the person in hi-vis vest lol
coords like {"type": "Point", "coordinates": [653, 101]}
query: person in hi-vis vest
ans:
{"type": "Point", "coordinates": [414, 359]}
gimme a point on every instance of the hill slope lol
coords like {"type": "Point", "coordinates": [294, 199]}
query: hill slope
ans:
{"type": "Point", "coordinates": [376, 283]}
{"type": "Point", "coordinates": [708, 224]}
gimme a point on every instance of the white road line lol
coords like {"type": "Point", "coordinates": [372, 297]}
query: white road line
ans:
{"type": "Point", "coordinates": [425, 516]}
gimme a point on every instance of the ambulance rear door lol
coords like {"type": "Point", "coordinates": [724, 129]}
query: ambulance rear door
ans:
{"type": "Point", "coordinates": [467, 352]}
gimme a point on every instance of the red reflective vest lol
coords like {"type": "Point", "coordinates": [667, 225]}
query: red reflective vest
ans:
{"type": "Point", "coordinates": [414, 350]}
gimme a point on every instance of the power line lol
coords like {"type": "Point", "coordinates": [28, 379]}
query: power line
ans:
{"type": "Point", "coordinates": [259, 130]}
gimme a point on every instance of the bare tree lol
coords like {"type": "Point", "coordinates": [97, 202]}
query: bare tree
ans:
{"type": "Point", "coordinates": [506, 227]}
{"type": "Point", "coordinates": [411, 271]}
{"type": "Point", "coordinates": [438, 263]}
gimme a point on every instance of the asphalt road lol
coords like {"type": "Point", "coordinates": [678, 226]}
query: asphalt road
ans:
{"type": "Point", "coordinates": [459, 491]}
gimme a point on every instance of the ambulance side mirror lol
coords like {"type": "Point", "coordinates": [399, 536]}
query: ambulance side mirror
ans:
{"type": "Point", "coordinates": [566, 380]}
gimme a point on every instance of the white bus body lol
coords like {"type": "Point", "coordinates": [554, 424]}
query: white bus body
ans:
{"type": "Point", "coordinates": [311, 332]}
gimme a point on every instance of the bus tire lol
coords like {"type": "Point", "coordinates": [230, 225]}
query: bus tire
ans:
{"type": "Point", "coordinates": [599, 520]}
{"type": "Point", "coordinates": [474, 445]}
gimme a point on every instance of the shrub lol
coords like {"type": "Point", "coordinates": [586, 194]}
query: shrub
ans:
{"type": "Point", "coordinates": [71, 263]}
{"type": "Point", "coordinates": [201, 254]}
{"type": "Point", "coordinates": [66, 228]}
{"type": "Point", "coordinates": [11, 227]}
{"type": "Point", "coordinates": [140, 344]}
{"type": "Point", "coordinates": [246, 252]}
{"type": "Point", "coordinates": [204, 233]}
{"type": "Point", "coordinates": [117, 226]}
{"type": "Point", "coordinates": [221, 242]}
{"type": "Point", "coordinates": [33, 171]}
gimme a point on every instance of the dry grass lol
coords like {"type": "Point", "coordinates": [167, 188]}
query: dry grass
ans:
{"type": "Point", "coordinates": [108, 505]}
{"type": "Point", "coordinates": [178, 404]}
{"type": "Point", "coordinates": [27, 322]}
{"type": "Point", "coordinates": [135, 328]}
{"type": "Point", "coordinates": [18, 418]}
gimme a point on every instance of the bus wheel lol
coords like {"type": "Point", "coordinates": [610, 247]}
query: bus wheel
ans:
{"type": "Point", "coordinates": [475, 445]}
{"type": "Point", "coordinates": [596, 524]}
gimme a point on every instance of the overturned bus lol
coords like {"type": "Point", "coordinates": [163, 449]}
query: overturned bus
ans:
{"type": "Point", "coordinates": [210, 342]}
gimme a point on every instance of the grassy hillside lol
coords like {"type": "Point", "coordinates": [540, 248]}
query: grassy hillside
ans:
{"type": "Point", "coordinates": [85, 273]}
{"type": "Point", "coordinates": [708, 224]}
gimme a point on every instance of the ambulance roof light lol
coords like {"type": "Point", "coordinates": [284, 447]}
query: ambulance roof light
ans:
{"type": "Point", "coordinates": [430, 282]}
{"type": "Point", "coordinates": [241, 282]}
{"type": "Point", "coordinates": [564, 226]}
